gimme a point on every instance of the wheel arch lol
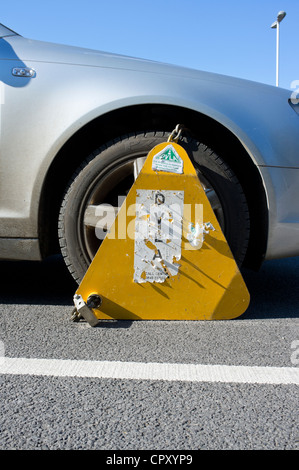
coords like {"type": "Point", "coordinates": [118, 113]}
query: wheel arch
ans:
{"type": "Point", "coordinates": [155, 117]}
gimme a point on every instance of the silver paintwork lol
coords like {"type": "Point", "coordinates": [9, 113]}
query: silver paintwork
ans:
{"type": "Point", "coordinates": [73, 86]}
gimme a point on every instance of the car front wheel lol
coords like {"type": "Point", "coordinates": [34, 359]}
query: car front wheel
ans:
{"type": "Point", "coordinates": [110, 172]}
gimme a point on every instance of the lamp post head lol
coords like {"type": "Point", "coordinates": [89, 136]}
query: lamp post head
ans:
{"type": "Point", "coordinates": [280, 16]}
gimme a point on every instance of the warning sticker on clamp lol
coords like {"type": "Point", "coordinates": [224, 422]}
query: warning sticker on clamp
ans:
{"type": "Point", "coordinates": [168, 160]}
{"type": "Point", "coordinates": [158, 234]}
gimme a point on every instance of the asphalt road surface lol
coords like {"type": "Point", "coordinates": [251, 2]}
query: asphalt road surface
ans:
{"type": "Point", "coordinates": [152, 385]}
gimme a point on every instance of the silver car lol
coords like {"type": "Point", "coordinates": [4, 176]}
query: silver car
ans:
{"type": "Point", "coordinates": [76, 125]}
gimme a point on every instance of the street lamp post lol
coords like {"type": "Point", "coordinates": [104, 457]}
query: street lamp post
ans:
{"type": "Point", "coordinates": [275, 25]}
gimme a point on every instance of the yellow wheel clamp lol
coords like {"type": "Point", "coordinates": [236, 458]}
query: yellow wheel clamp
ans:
{"type": "Point", "coordinates": [165, 256]}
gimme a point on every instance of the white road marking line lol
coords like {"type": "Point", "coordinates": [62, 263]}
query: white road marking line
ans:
{"type": "Point", "coordinates": [149, 371]}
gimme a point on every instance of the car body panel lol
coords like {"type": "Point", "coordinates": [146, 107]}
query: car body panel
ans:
{"type": "Point", "coordinates": [282, 188]}
{"type": "Point", "coordinates": [73, 86]}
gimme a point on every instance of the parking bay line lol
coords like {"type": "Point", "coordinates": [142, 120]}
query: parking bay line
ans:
{"type": "Point", "coordinates": [149, 371]}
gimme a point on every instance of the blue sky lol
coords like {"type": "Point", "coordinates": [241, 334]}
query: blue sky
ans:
{"type": "Point", "coordinates": [229, 37]}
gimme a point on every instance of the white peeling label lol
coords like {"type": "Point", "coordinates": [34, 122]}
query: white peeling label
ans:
{"type": "Point", "coordinates": [196, 234]}
{"type": "Point", "coordinates": [158, 234]}
{"type": "Point", "coordinates": [168, 160]}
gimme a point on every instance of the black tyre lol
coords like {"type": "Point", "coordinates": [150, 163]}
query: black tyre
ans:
{"type": "Point", "coordinates": [109, 172]}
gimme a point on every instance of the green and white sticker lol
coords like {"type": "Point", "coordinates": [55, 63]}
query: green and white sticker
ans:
{"type": "Point", "coordinates": [168, 160]}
